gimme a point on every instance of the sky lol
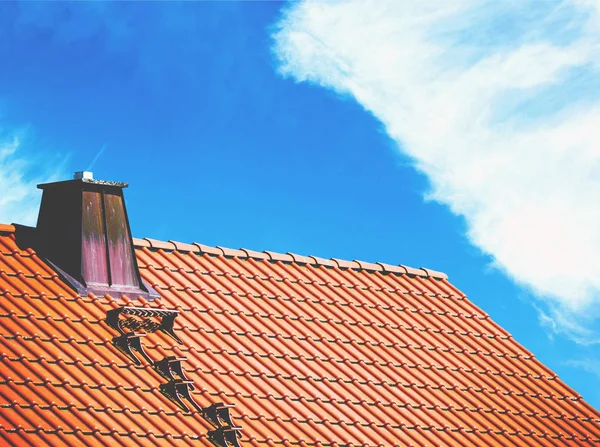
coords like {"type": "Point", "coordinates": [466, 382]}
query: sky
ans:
{"type": "Point", "coordinates": [459, 136]}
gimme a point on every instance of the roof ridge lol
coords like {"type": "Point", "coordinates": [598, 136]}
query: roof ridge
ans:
{"type": "Point", "coordinates": [244, 253]}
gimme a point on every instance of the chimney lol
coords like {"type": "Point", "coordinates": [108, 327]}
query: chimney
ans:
{"type": "Point", "coordinates": [83, 232]}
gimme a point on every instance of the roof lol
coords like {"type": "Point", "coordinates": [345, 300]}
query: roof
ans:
{"type": "Point", "coordinates": [310, 352]}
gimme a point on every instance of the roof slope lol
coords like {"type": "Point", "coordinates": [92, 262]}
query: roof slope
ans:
{"type": "Point", "coordinates": [310, 354]}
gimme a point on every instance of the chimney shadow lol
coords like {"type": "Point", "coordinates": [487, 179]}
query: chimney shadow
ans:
{"type": "Point", "coordinates": [26, 237]}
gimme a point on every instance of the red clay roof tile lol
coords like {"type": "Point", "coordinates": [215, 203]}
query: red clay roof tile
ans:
{"type": "Point", "coordinates": [299, 259]}
{"type": "Point", "coordinates": [413, 271]}
{"type": "Point", "coordinates": [255, 254]}
{"type": "Point", "coordinates": [434, 273]}
{"type": "Point", "coordinates": [141, 243]}
{"type": "Point", "coordinates": [369, 266]}
{"type": "Point", "coordinates": [346, 264]}
{"type": "Point", "coordinates": [357, 355]}
{"type": "Point", "coordinates": [324, 262]}
{"type": "Point", "coordinates": [209, 250]}
{"type": "Point", "coordinates": [282, 257]}
{"type": "Point", "coordinates": [5, 228]}
{"type": "Point", "coordinates": [393, 268]}
{"type": "Point", "coordinates": [160, 245]}
{"type": "Point", "coordinates": [183, 247]}
{"type": "Point", "coordinates": [231, 252]}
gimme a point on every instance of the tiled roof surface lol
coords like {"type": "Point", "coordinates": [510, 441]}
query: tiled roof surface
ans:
{"type": "Point", "coordinates": [311, 353]}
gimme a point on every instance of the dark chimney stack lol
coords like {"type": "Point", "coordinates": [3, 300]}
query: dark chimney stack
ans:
{"type": "Point", "coordinates": [83, 231]}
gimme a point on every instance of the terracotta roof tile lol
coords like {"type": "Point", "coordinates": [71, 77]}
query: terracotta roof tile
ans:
{"type": "Point", "coordinates": [346, 264]}
{"type": "Point", "coordinates": [160, 245]}
{"type": "Point", "coordinates": [299, 259]}
{"type": "Point", "coordinates": [209, 250]}
{"type": "Point", "coordinates": [4, 228]}
{"type": "Point", "coordinates": [282, 257]}
{"type": "Point", "coordinates": [413, 271]}
{"type": "Point", "coordinates": [141, 243]}
{"type": "Point", "coordinates": [255, 254]}
{"type": "Point", "coordinates": [434, 273]}
{"type": "Point", "coordinates": [369, 266]}
{"type": "Point", "coordinates": [183, 247]}
{"type": "Point", "coordinates": [232, 252]}
{"type": "Point", "coordinates": [355, 354]}
{"type": "Point", "coordinates": [393, 268]}
{"type": "Point", "coordinates": [324, 262]}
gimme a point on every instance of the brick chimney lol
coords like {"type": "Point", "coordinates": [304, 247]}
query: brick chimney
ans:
{"type": "Point", "coordinates": [83, 231]}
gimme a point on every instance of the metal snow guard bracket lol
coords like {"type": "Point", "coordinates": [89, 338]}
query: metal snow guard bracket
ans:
{"type": "Point", "coordinates": [170, 368]}
{"type": "Point", "coordinates": [177, 390]}
{"type": "Point", "coordinates": [130, 342]}
{"type": "Point", "coordinates": [225, 436]}
{"type": "Point", "coordinates": [226, 433]}
{"type": "Point", "coordinates": [218, 415]}
{"type": "Point", "coordinates": [143, 318]}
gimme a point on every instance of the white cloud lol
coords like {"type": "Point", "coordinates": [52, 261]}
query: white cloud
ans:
{"type": "Point", "coordinates": [20, 172]}
{"type": "Point", "coordinates": [589, 365]}
{"type": "Point", "coordinates": [498, 104]}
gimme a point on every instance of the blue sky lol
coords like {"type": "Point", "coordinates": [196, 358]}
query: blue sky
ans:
{"type": "Point", "coordinates": [460, 140]}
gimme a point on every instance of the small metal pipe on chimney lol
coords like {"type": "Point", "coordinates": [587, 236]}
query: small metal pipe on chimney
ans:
{"type": "Point", "coordinates": [83, 175]}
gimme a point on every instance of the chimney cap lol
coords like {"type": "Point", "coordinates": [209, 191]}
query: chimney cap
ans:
{"type": "Point", "coordinates": [83, 179]}
{"type": "Point", "coordinates": [88, 175]}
